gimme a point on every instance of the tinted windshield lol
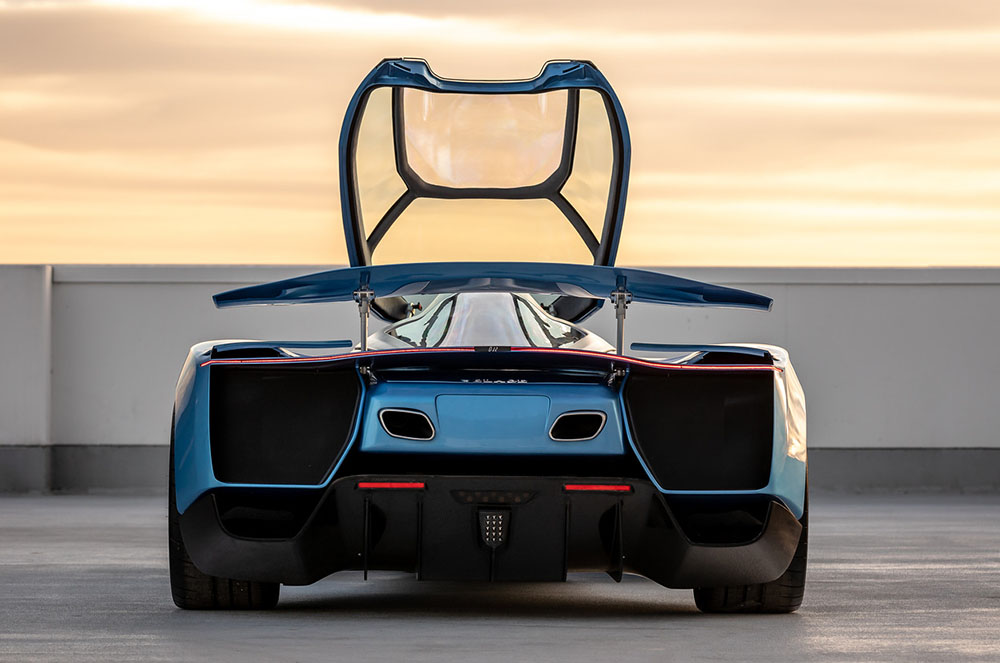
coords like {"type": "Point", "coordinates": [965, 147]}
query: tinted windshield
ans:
{"type": "Point", "coordinates": [542, 330]}
{"type": "Point", "coordinates": [427, 329]}
{"type": "Point", "coordinates": [484, 318]}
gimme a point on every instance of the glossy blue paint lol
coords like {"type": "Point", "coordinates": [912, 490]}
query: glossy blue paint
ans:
{"type": "Point", "coordinates": [192, 455]}
{"type": "Point", "coordinates": [594, 281]}
{"type": "Point", "coordinates": [193, 474]}
{"type": "Point", "coordinates": [417, 74]}
{"type": "Point", "coordinates": [489, 418]}
{"type": "Point", "coordinates": [788, 475]}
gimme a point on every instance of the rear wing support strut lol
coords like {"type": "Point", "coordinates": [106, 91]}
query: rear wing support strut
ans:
{"type": "Point", "coordinates": [364, 296]}
{"type": "Point", "coordinates": [621, 298]}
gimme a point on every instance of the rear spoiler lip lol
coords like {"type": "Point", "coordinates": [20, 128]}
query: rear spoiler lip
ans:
{"type": "Point", "coordinates": [554, 352]}
{"type": "Point", "coordinates": [711, 347]}
{"type": "Point", "coordinates": [590, 281]}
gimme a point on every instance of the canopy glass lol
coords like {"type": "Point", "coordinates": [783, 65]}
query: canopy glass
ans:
{"type": "Point", "coordinates": [435, 169]}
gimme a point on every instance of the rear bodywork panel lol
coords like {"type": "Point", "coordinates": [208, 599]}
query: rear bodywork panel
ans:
{"type": "Point", "coordinates": [703, 464]}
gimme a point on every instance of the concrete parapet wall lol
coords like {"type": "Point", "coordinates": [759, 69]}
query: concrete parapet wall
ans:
{"type": "Point", "coordinates": [891, 359]}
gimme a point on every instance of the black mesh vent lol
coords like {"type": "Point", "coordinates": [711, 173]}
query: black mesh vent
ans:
{"type": "Point", "coordinates": [280, 425]}
{"type": "Point", "coordinates": [703, 431]}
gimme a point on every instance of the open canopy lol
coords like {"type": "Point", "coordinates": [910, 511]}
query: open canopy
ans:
{"type": "Point", "coordinates": [433, 169]}
{"type": "Point", "coordinates": [584, 281]}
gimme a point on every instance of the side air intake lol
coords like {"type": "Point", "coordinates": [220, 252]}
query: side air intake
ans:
{"type": "Point", "coordinates": [699, 431]}
{"type": "Point", "coordinates": [577, 426]}
{"type": "Point", "coordinates": [406, 424]}
{"type": "Point", "coordinates": [280, 424]}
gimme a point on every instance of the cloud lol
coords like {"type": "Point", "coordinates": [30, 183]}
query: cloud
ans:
{"type": "Point", "coordinates": [763, 130]}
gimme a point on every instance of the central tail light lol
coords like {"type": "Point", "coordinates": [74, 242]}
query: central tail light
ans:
{"type": "Point", "coordinates": [597, 488]}
{"type": "Point", "coordinates": [391, 485]}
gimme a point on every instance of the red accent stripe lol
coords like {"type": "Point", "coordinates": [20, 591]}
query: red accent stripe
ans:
{"type": "Point", "coordinates": [392, 485]}
{"type": "Point", "coordinates": [598, 487]}
{"type": "Point", "coordinates": [576, 353]}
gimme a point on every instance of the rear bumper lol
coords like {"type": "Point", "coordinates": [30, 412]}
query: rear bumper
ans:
{"type": "Point", "coordinates": [431, 526]}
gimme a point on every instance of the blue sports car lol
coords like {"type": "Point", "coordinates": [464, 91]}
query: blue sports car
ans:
{"type": "Point", "coordinates": [484, 434]}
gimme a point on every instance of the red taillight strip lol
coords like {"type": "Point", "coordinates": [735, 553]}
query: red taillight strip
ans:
{"type": "Point", "coordinates": [576, 353]}
{"type": "Point", "coordinates": [597, 488]}
{"type": "Point", "coordinates": [391, 485]}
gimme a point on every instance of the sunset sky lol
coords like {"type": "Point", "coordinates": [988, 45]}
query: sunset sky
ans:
{"type": "Point", "coordinates": [764, 132]}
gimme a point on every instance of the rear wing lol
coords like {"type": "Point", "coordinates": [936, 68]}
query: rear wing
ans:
{"type": "Point", "coordinates": [622, 285]}
{"type": "Point", "coordinates": [589, 281]}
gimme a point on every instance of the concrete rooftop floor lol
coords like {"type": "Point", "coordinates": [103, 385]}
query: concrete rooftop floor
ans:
{"type": "Point", "coordinates": [891, 577]}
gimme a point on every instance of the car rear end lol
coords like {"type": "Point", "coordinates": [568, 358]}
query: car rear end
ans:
{"type": "Point", "coordinates": [489, 464]}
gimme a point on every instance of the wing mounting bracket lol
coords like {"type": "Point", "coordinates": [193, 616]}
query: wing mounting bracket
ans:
{"type": "Point", "coordinates": [621, 298]}
{"type": "Point", "coordinates": [364, 296]}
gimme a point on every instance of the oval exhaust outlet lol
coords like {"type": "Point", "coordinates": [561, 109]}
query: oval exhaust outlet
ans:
{"type": "Point", "coordinates": [577, 426]}
{"type": "Point", "coordinates": [406, 424]}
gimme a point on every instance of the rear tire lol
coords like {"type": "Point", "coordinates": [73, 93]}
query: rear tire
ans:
{"type": "Point", "coordinates": [194, 590]}
{"type": "Point", "coordinates": [783, 595]}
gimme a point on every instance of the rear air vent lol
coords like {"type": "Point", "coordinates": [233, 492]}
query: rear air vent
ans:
{"type": "Point", "coordinates": [577, 426]}
{"type": "Point", "coordinates": [406, 424]}
{"type": "Point", "coordinates": [280, 424]}
{"type": "Point", "coordinates": [698, 431]}
{"type": "Point", "coordinates": [276, 514]}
